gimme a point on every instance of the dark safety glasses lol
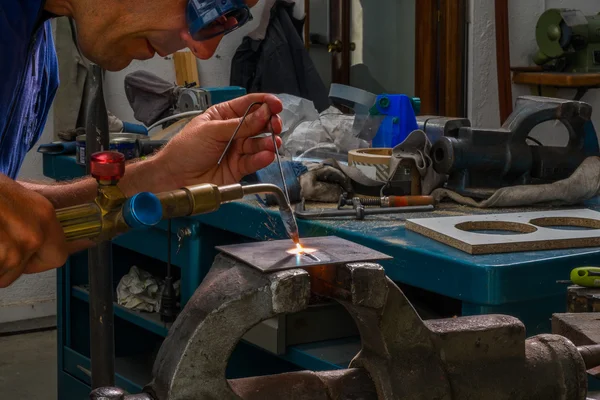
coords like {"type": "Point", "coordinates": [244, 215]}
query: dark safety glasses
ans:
{"type": "Point", "coordinates": [207, 19]}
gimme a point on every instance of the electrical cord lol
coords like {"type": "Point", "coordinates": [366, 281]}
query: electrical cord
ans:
{"type": "Point", "coordinates": [175, 116]}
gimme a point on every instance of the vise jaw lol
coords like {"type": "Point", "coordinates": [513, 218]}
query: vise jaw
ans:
{"type": "Point", "coordinates": [402, 357]}
{"type": "Point", "coordinates": [479, 160]}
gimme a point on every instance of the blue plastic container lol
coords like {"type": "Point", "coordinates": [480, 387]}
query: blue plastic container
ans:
{"type": "Point", "coordinates": [399, 118]}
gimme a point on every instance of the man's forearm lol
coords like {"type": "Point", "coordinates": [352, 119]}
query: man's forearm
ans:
{"type": "Point", "coordinates": [63, 195]}
{"type": "Point", "coordinates": [139, 177]}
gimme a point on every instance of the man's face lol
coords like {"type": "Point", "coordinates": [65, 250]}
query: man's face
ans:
{"type": "Point", "coordinates": [112, 33]}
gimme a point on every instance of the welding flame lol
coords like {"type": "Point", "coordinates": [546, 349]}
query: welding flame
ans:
{"type": "Point", "coordinates": [299, 250]}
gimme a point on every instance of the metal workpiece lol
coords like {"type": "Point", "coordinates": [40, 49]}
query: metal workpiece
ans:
{"type": "Point", "coordinates": [277, 255]}
{"type": "Point", "coordinates": [232, 298]}
{"type": "Point", "coordinates": [493, 158]}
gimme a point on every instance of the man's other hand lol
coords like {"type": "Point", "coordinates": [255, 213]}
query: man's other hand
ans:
{"type": "Point", "coordinates": [31, 239]}
{"type": "Point", "coordinates": [191, 157]}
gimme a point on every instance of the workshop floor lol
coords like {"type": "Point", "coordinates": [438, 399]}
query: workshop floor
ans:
{"type": "Point", "coordinates": [28, 366]}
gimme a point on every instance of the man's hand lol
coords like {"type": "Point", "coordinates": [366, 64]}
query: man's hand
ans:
{"type": "Point", "coordinates": [31, 239]}
{"type": "Point", "coordinates": [191, 157]}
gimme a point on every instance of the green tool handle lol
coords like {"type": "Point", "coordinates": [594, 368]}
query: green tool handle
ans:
{"type": "Point", "coordinates": [586, 276]}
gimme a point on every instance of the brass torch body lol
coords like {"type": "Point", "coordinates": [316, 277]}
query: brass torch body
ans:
{"type": "Point", "coordinates": [103, 219]}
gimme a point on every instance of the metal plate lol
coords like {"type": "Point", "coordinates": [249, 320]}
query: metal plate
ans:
{"type": "Point", "coordinates": [507, 233]}
{"type": "Point", "coordinates": [273, 256]}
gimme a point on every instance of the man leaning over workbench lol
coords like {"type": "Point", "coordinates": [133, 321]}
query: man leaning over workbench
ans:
{"type": "Point", "coordinates": [111, 33]}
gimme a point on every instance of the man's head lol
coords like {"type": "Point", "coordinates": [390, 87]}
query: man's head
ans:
{"type": "Point", "coordinates": [112, 33]}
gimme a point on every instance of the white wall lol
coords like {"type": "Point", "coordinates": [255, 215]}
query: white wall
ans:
{"type": "Point", "coordinates": [482, 79]}
{"type": "Point", "coordinates": [384, 59]}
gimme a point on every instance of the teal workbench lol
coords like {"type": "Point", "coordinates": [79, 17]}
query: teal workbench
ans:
{"type": "Point", "coordinates": [443, 280]}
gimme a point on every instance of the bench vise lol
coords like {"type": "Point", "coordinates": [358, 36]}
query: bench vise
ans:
{"type": "Point", "coordinates": [402, 356]}
{"type": "Point", "coordinates": [479, 160]}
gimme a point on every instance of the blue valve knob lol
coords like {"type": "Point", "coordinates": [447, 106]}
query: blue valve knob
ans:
{"type": "Point", "coordinates": [142, 210]}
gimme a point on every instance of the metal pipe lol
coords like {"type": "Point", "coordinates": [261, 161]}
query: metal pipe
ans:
{"type": "Point", "coordinates": [102, 342]}
{"type": "Point", "coordinates": [358, 213]}
{"type": "Point", "coordinates": [307, 385]}
{"type": "Point", "coordinates": [590, 355]}
{"type": "Point", "coordinates": [285, 209]}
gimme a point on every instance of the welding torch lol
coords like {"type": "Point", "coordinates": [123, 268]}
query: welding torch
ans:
{"type": "Point", "coordinates": [112, 213]}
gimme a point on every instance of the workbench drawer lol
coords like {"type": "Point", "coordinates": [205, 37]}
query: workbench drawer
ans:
{"type": "Point", "coordinates": [79, 367]}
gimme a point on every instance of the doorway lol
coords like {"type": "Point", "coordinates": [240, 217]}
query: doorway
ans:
{"type": "Point", "coordinates": [412, 47]}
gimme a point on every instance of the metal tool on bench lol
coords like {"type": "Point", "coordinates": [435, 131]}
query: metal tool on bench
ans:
{"type": "Point", "coordinates": [402, 357]}
{"type": "Point", "coordinates": [112, 213]}
{"type": "Point", "coordinates": [568, 41]}
{"type": "Point", "coordinates": [585, 277]}
{"type": "Point", "coordinates": [479, 161]}
{"type": "Point", "coordinates": [385, 201]}
{"type": "Point", "coordinates": [129, 144]}
{"type": "Point", "coordinates": [359, 211]}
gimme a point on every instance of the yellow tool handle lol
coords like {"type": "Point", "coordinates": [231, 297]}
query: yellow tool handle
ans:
{"type": "Point", "coordinates": [586, 276]}
{"type": "Point", "coordinates": [80, 222]}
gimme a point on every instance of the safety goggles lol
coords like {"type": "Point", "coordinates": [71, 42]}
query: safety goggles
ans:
{"type": "Point", "coordinates": [207, 19]}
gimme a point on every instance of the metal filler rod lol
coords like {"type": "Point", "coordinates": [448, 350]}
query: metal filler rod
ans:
{"type": "Point", "coordinates": [102, 341]}
{"type": "Point", "coordinates": [287, 214]}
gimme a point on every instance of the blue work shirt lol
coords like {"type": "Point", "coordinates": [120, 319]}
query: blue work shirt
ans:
{"type": "Point", "coordinates": [29, 79]}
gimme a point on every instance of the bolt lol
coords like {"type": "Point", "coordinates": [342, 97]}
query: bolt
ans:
{"type": "Point", "coordinates": [384, 102]}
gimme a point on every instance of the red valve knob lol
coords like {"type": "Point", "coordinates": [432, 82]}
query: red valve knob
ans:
{"type": "Point", "coordinates": [107, 165]}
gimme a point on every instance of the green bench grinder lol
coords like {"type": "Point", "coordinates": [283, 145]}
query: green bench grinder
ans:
{"type": "Point", "coordinates": [568, 41]}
